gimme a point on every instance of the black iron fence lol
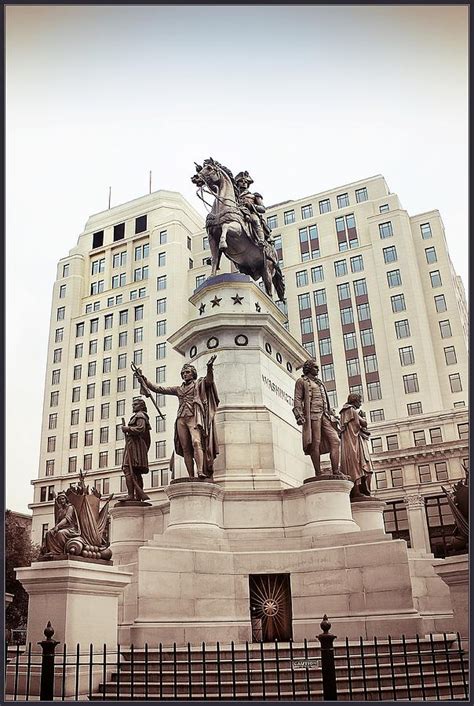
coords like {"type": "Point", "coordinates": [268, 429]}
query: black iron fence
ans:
{"type": "Point", "coordinates": [431, 668]}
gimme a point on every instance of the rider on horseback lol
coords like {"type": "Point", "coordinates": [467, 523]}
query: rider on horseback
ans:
{"type": "Point", "coordinates": [251, 205]}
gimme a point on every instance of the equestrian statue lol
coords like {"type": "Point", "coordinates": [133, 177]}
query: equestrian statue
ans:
{"type": "Point", "coordinates": [235, 225]}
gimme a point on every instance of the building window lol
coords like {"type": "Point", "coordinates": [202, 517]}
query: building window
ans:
{"type": "Point", "coordinates": [319, 297]}
{"type": "Point", "coordinates": [119, 259]}
{"type": "Point", "coordinates": [327, 372]}
{"type": "Point", "coordinates": [160, 350]}
{"type": "Point", "coordinates": [90, 391]}
{"type": "Point", "coordinates": [322, 322]}
{"type": "Point", "coordinates": [374, 391]}
{"type": "Point", "coordinates": [161, 327]}
{"type": "Point", "coordinates": [107, 365]}
{"type": "Point", "coordinates": [402, 328]}
{"type": "Point", "coordinates": [160, 374]}
{"type": "Point", "coordinates": [161, 259]}
{"type": "Point", "coordinates": [419, 438]}
{"type": "Point", "coordinates": [57, 354]}
{"type": "Point", "coordinates": [367, 337]}
{"type": "Point", "coordinates": [441, 525]}
{"type": "Point", "coordinates": [140, 273]}
{"type": "Point", "coordinates": [370, 364]}
{"type": "Point", "coordinates": [78, 350]}
{"type": "Point", "coordinates": [289, 217]}
{"type": "Point", "coordinates": [302, 278]}
{"type": "Point", "coordinates": [376, 444]}
{"type": "Point", "coordinates": [353, 367]}
{"type": "Point", "coordinates": [55, 377]}
{"type": "Point", "coordinates": [392, 442]}
{"type": "Point", "coordinates": [436, 435]}
{"type": "Point", "coordinates": [347, 316]}
{"type": "Point", "coordinates": [357, 390]}
{"type": "Point", "coordinates": [310, 348]}
{"type": "Point", "coordinates": [53, 421]}
{"type": "Point", "coordinates": [380, 480]}
{"type": "Point", "coordinates": [426, 231]}
{"type": "Point", "coordinates": [309, 243]}
{"type": "Point", "coordinates": [306, 325]}
{"type": "Point", "coordinates": [385, 230]}
{"type": "Point", "coordinates": [94, 325]}
{"type": "Point", "coordinates": [430, 254]}
{"type": "Point", "coordinates": [91, 369]}
{"type": "Point", "coordinates": [350, 341]}
{"type": "Point", "coordinates": [414, 408]}
{"type": "Point", "coordinates": [138, 358]}
{"type": "Point", "coordinates": [407, 357]}
{"type": "Point", "coordinates": [108, 321]}
{"type": "Point", "coordinates": [105, 388]}
{"type": "Point", "coordinates": [307, 211]}
{"type": "Point", "coordinates": [89, 414]}
{"type": "Point", "coordinates": [398, 303]}
{"type": "Point", "coordinates": [104, 435]}
{"type": "Point", "coordinates": [317, 274]}
{"type": "Point", "coordinates": [60, 313]}
{"type": "Point", "coordinates": [361, 195]}
{"type": "Point", "coordinates": [461, 403]}
{"type": "Point", "coordinates": [105, 410]}
{"type": "Point", "coordinates": [140, 224]}
{"type": "Point", "coordinates": [138, 334]}
{"type": "Point", "coordinates": [435, 279]}
{"type": "Point", "coordinates": [377, 415]}
{"type": "Point", "coordinates": [463, 430]}
{"type": "Point", "coordinates": [455, 382]}
{"type": "Point", "coordinates": [272, 222]}
{"type": "Point", "coordinates": [103, 461]}
{"type": "Point", "coordinates": [119, 231]}
{"type": "Point", "coordinates": [97, 266]}
{"type": "Point", "coordinates": [97, 287]}
{"type": "Point", "coordinates": [384, 208]}
{"type": "Point", "coordinates": [324, 206]}
{"type": "Point", "coordinates": [340, 268]}
{"type": "Point", "coordinates": [50, 463]}
{"type": "Point", "coordinates": [410, 383]}
{"type": "Point", "coordinates": [119, 280]}
{"type": "Point", "coordinates": [160, 449]}
{"type": "Point", "coordinates": [390, 254]}
{"type": "Point", "coordinates": [62, 291]}
{"type": "Point", "coordinates": [142, 251]}
{"type": "Point", "coordinates": [363, 312]}
{"type": "Point", "coordinates": [304, 301]}
{"type": "Point", "coordinates": [440, 303]}
{"type": "Point", "coordinates": [357, 264]}
{"type": "Point", "coordinates": [450, 355]}
{"type": "Point", "coordinates": [441, 470]}
{"type": "Point", "coordinates": [139, 312]}
{"type": "Point", "coordinates": [73, 438]}
{"type": "Point", "coordinates": [120, 412]}
{"type": "Point", "coordinates": [53, 402]}
{"type": "Point", "coordinates": [122, 361]}
{"type": "Point", "coordinates": [107, 343]}
{"type": "Point", "coordinates": [424, 472]}
{"type": "Point", "coordinates": [394, 278]}
{"type": "Point", "coordinates": [360, 287]}
{"type": "Point", "coordinates": [325, 346]}
{"type": "Point", "coordinates": [342, 200]}
{"type": "Point", "coordinates": [445, 329]}
{"type": "Point", "coordinates": [343, 291]}
{"type": "Point", "coordinates": [397, 477]}
{"type": "Point", "coordinates": [199, 280]}
{"type": "Point", "coordinates": [88, 437]}
{"type": "Point", "coordinates": [161, 282]}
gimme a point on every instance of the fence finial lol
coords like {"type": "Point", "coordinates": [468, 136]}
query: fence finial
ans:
{"type": "Point", "coordinates": [48, 632]}
{"type": "Point", "coordinates": [325, 625]}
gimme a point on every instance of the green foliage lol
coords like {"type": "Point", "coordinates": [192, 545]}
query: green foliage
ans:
{"type": "Point", "coordinates": [19, 551]}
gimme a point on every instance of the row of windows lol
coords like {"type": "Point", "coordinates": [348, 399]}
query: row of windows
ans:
{"type": "Point", "coordinates": [424, 475]}
{"type": "Point", "coordinates": [104, 414]}
{"type": "Point", "coordinates": [324, 207]}
{"type": "Point", "coordinates": [340, 269]}
{"type": "Point", "coordinates": [119, 259]}
{"type": "Point", "coordinates": [386, 231]}
{"type": "Point", "coordinates": [419, 438]}
{"type": "Point", "coordinates": [119, 231]}
{"type": "Point", "coordinates": [116, 300]}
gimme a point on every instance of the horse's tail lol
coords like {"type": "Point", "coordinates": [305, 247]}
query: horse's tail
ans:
{"type": "Point", "coordinates": [278, 281]}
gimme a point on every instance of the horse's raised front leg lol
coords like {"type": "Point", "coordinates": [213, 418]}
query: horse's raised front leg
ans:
{"type": "Point", "coordinates": [267, 277]}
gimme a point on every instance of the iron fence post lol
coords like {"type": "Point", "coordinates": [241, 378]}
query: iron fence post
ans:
{"type": "Point", "coordinates": [47, 664]}
{"type": "Point", "coordinates": [328, 667]}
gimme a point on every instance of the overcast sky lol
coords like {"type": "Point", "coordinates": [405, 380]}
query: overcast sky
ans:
{"type": "Point", "coordinates": [305, 98]}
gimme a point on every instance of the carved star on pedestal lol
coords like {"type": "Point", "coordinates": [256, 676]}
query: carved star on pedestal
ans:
{"type": "Point", "coordinates": [237, 299]}
{"type": "Point", "coordinates": [201, 309]}
{"type": "Point", "coordinates": [216, 301]}
{"type": "Point", "coordinates": [258, 307]}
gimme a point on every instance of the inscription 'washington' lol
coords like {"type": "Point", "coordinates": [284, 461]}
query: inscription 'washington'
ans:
{"type": "Point", "coordinates": [278, 390]}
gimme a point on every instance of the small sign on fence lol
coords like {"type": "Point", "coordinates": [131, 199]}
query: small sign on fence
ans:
{"type": "Point", "coordinates": [306, 664]}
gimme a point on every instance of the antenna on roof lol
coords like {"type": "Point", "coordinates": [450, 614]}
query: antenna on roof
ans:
{"type": "Point", "coordinates": [110, 194]}
{"type": "Point", "coordinates": [149, 186]}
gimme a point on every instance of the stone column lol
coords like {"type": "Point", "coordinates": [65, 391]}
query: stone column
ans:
{"type": "Point", "coordinates": [417, 524]}
{"type": "Point", "coordinates": [328, 508]}
{"type": "Point", "coordinates": [369, 514]}
{"type": "Point", "coordinates": [195, 510]}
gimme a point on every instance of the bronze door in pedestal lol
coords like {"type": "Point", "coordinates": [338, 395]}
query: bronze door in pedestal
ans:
{"type": "Point", "coordinates": [270, 607]}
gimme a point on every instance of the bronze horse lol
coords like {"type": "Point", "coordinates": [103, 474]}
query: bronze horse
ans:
{"type": "Point", "coordinates": [229, 233]}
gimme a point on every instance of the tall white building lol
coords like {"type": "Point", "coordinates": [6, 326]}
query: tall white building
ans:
{"type": "Point", "coordinates": [371, 293]}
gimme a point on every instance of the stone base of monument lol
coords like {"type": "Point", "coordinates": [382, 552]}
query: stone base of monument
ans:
{"type": "Point", "coordinates": [454, 571]}
{"type": "Point", "coordinates": [192, 573]}
{"type": "Point", "coordinates": [80, 599]}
